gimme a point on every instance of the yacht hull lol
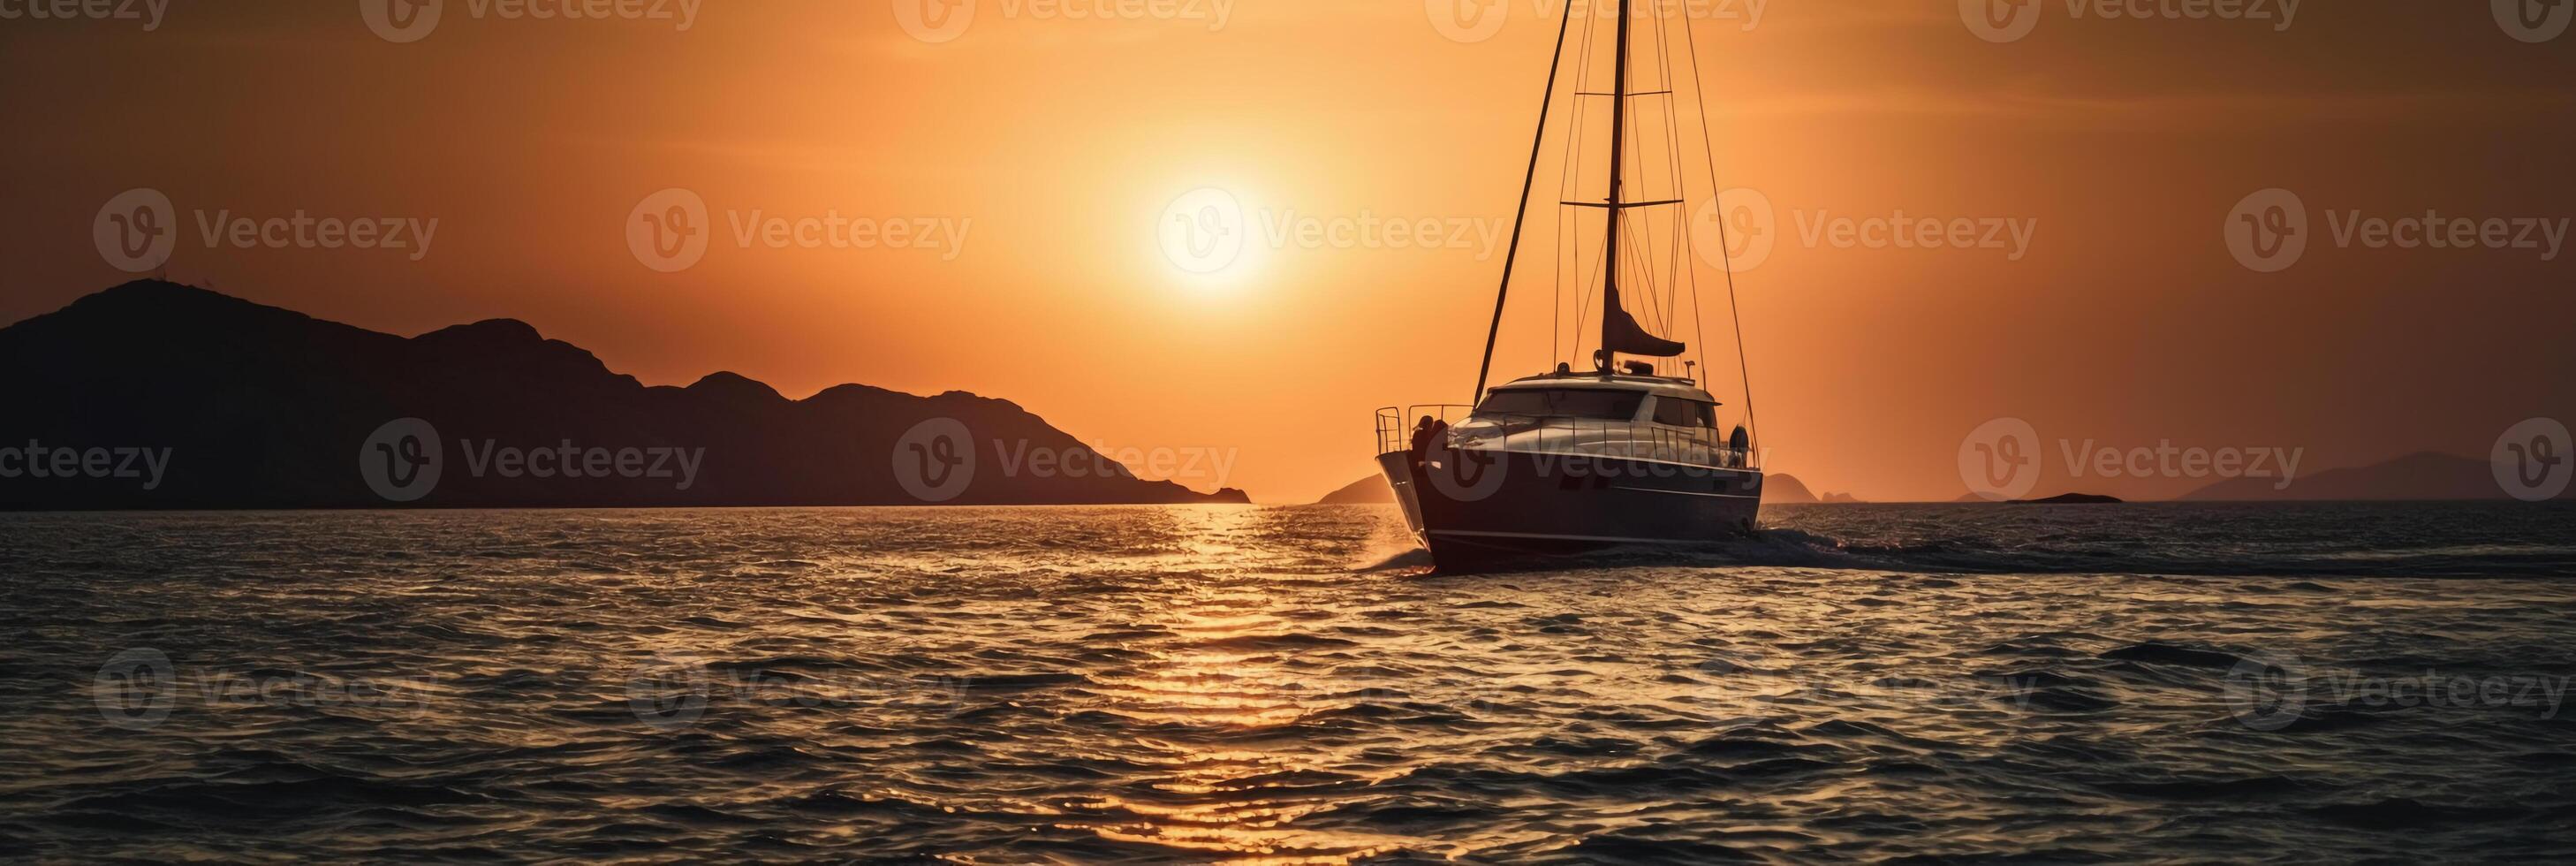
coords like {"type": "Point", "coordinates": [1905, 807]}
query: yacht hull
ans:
{"type": "Point", "coordinates": [1481, 510]}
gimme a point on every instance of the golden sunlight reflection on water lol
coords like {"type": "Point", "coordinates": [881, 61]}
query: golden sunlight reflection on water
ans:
{"type": "Point", "coordinates": [1239, 684]}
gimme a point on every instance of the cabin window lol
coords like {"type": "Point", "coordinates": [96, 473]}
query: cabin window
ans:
{"type": "Point", "coordinates": [1679, 412]}
{"type": "Point", "coordinates": [1591, 403]}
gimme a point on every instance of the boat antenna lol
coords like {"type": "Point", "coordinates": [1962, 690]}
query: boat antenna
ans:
{"type": "Point", "coordinates": [1520, 218]}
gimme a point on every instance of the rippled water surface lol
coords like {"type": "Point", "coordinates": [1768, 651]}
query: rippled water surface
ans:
{"type": "Point", "coordinates": [2300, 683]}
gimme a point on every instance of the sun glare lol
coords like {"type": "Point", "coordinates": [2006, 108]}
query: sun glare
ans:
{"type": "Point", "coordinates": [1211, 239]}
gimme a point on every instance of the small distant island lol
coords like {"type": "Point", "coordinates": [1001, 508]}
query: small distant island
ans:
{"type": "Point", "coordinates": [2060, 499]}
{"type": "Point", "coordinates": [2070, 499]}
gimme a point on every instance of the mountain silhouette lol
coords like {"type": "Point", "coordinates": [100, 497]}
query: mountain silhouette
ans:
{"type": "Point", "coordinates": [2423, 476]}
{"type": "Point", "coordinates": [1785, 490]}
{"type": "Point", "coordinates": [1371, 490]}
{"type": "Point", "coordinates": [259, 407]}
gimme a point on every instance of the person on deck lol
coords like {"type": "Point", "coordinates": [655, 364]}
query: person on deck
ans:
{"type": "Point", "coordinates": [1426, 433]}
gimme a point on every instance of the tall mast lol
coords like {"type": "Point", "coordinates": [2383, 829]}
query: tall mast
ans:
{"type": "Point", "coordinates": [1520, 217]}
{"type": "Point", "coordinates": [1618, 154]}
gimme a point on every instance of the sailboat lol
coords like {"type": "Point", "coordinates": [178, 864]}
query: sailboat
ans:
{"type": "Point", "coordinates": [1624, 450]}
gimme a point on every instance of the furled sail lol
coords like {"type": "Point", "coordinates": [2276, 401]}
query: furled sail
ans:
{"type": "Point", "coordinates": [1621, 333]}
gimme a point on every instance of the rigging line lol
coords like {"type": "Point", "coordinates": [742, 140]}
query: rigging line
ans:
{"type": "Point", "coordinates": [1568, 254]}
{"type": "Point", "coordinates": [1681, 190]}
{"type": "Point", "coordinates": [1672, 147]}
{"type": "Point", "coordinates": [1645, 269]}
{"type": "Point", "coordinates": [1583, 304]}
{"type": "Point", "coordinates": [1520, 218]}
{"type": "Point", "coordinates": [1734, 310]}
{"type": "Point", "coordinates": [1684, 242]}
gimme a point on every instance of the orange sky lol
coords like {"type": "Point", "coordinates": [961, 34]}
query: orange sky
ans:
{"type": "Point", "coordinates": [1056, 144]}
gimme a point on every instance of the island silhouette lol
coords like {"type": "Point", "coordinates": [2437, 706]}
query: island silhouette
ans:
{"type": "Point", "coordinates": [236, 405]}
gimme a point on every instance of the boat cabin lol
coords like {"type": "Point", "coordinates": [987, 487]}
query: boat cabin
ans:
{"type": "Point", "coordinates": [1636, 416]}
